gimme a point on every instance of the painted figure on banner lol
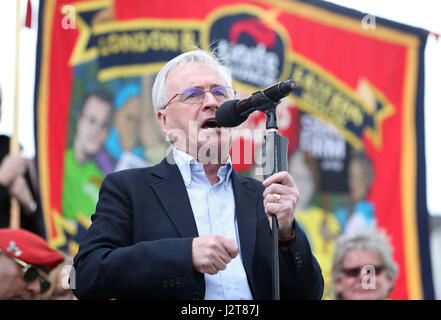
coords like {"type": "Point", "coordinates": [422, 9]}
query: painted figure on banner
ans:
{"type": "Point", "coordinates": [313, 217]}
{"type": "Point", "coordinates": [360, 212]}
{"type": "Point", "coordinates": [335, 181]}
{"type": "Point", "coordinates": [122, 142]}
{"type": "Point", "coordinates": [82, 175]}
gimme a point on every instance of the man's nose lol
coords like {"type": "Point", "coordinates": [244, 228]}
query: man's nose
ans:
{"type": "Point", "coordinates": [210, 101]}
{"type": "Point", "coordinates": [34, 287]}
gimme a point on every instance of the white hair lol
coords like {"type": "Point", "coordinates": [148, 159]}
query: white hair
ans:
{"type": "Point", "coordinates": [370, 239]}
{"type": "Point", "coordinates": [159, 95]}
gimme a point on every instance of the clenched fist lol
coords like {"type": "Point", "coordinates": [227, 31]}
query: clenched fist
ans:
{"type": "Point", "coordinates": [213, 252]}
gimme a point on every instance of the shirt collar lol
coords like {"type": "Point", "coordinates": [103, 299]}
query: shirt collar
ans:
{"type": "Point", "coordinates": [187, 163]}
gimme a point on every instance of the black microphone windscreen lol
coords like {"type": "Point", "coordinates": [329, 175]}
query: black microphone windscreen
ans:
{"type": "Point", "coordinates": [286, 87]}
{"type": "Point", "coordinates": [226, 115]}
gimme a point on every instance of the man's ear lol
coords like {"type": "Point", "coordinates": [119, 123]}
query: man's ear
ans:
{"type": "Point", "coordinates": [161, 116]}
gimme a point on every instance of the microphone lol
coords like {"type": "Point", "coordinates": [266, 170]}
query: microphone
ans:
{"type": "Point", "coordinates": [233, 112]}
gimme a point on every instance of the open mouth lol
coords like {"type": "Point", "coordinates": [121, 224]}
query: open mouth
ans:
{"type": "Point", "coordinates": [210, 123]}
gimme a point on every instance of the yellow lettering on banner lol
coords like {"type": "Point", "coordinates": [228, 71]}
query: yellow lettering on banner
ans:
{"type": "Point", "coordinates": [334, 105]}
{"type": "Point", "coordinates": [309, 82]}
{"type": "Point", "coordinates": [102, 48]}
{"type": "Point", "coordinates": [324, 98]}
{"type": "Point", "coordinates": [124, 43]}
{"type": "Point", "coordinates": [357, 115]}
{"type": "Point", "coordinates": [155, 40]}
{"type": "Point", "coordinates": [297, 74]}
{"type": "Point", "coordinates": [324, 92]}
{"type": "Point", "coordinates": [112, 43]}
{"type": "Point", "coordinates": [141, 42]}
{"type": "Point", "coordinates": [188, 41]}
{"type": "Point", "coordinates": [171, 41]}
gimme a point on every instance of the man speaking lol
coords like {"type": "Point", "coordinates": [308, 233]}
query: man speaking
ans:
{"type": "Point", "coordinates": [191, 227]}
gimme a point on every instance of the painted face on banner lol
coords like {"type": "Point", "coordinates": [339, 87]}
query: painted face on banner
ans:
{"type": "Point", "coordinates": [127, 121]}
{"type": "Point", "coordinates": [93, 125]}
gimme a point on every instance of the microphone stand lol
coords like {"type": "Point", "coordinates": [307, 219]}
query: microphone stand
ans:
{"type": "Point", "coordinates": [276, 160]}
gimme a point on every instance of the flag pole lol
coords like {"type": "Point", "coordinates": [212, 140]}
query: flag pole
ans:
{"type": "Point", "coordinates": [14, 147]}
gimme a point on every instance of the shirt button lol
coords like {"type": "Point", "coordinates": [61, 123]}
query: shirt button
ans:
{"type": "Point", "coordinates": [229, 286]}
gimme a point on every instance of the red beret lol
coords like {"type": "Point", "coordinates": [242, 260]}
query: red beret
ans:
{"type": "Point", "coordinates": [28, 247]}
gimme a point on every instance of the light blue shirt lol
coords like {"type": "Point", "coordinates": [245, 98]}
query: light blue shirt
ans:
{"type": "Point", "coordinates": [214, 212]}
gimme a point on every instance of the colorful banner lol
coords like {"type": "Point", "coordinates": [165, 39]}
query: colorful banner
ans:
{"type": "Point", "coordinates": [355, 121]}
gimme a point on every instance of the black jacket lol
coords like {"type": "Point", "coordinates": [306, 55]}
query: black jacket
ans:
{"type": "Point", "coordinates": [140, 241]}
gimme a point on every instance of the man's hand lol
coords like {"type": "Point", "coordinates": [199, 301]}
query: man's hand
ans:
{"type": "Point", "coordinates": [20, 190]}
{"type": "Point", "coordinates": [281, 184]}
{"type": "Point", "coordinates": [11, 167]}
{"type": "Point", "coordinates": [213, 252]}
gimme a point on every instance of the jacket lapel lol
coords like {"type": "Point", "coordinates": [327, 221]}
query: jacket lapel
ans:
{"type": "Point", "coordinates": [246, 213]}
{"type": "Point", "coordinates": [170, 189]}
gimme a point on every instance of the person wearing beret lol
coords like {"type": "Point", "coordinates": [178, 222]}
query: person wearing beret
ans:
{"type": "Point", "coordinates": [25, 263]}
{"type": "Point", "coordinates": [191, 227]}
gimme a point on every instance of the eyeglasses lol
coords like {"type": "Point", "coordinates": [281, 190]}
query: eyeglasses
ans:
{"type": "Point", "coordinates": [31, 273]}
{"type": "Point", "coordinates": [197, 95]}
{"type": "Point", "coordinates": [354, 272]}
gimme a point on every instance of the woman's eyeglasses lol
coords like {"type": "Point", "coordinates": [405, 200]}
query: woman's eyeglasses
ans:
{"type": "Point", "coordinates": [354, 272]}
{"type": "Point", "coordinates": [197, 95]}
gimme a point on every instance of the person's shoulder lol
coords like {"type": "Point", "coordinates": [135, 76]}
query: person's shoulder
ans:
{"type": "Point", "coordinates": [127, 179]}
{"type": "Point", "coordinates": [130, 173]}
{"type": "Point", "coordinates": [137, 173]}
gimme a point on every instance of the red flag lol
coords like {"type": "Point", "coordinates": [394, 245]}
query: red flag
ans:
{"type": "Point", "coordinates": [28, 14]}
